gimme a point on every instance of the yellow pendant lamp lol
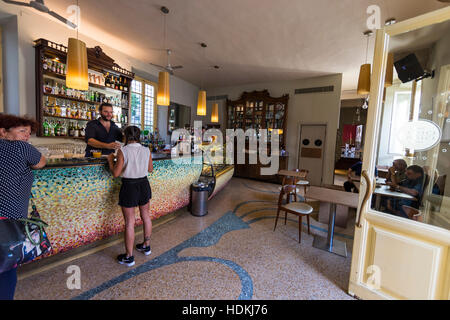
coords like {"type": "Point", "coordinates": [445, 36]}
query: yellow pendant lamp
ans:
{"type": "Point", "coordinates": [389, 71]}
{"type": "Point", "coordinates": [215, 113]}
{"type": "Point", "coordinates": [201, 105]}
{"type": "Point", "coordinates": [77, 65]}
{"type": "Point", "coordinates": [163, 97]}
{"type": "Point", "coordinates": [364, 73]}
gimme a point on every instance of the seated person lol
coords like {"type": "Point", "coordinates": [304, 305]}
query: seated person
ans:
{"type": "Point", "coordinates": [412, 185]}
{"type": "Point", "coordinates": [354, 170]}
{"type": "Point", "coordinates": [397, 173]}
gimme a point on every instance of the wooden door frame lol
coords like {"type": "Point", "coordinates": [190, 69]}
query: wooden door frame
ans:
{"type": "Point", "coordinates": [425, 231]}
{"type": "Point", "coordinates": [324, 156]}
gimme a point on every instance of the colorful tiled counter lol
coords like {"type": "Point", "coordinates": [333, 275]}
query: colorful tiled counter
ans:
{"type": "Point", "coordinates": [80, 201]}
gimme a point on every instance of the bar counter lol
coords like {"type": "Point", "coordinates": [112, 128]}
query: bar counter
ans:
{"type": "Point", "coordinates": [78, 198]}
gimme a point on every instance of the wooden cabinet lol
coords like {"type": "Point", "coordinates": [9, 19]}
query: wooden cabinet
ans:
{"type": "Point", "coordinates": [257, 110]}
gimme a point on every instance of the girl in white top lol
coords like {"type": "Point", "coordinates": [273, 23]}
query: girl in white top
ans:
{"type": "Point", "coordinates": [133, 164]}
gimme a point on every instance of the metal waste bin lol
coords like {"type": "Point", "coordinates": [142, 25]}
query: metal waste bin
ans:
{"type": "Point", "coordinates": [199, 206]}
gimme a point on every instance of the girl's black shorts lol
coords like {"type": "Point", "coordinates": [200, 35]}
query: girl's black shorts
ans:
{"type": "Point", "coordinates": [134, 192]}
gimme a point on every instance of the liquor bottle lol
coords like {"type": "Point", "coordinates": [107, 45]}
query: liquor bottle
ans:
{"type": "Point", "coordinates": [68, 110]}
{"type": "Point", "coordinates": [88, 113]}
{"type": "Point", "coordinates": [54, 66]}
{"type": "Point", "coordinates": [57, 129]}
{"type": "Point", "coordinates": [76, 132]}
{"type": "Point", "coordinates": [63, 110]}
{"type": "Point", "coordinates": [63, 129]}
{"type": "Point", "coordinates": [52, 126]}
{"type": "Point", "coordinates": [82, 132]}
{"type": "Point", "coordinates": [45, 64]}
{"type": "Point", "coordinates": [73, 111]}
{"type": "Point", "coordinates": [83, 112]}
{"type": "Point", "coordinates": [46, 128]}
{"type": "Point", "coordinates": [57, 109]}
{"type": "Point", "coordinates": [70, 129]}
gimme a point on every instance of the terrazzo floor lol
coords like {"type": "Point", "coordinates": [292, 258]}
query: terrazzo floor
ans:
{"type": "Point", "coordinates": [231, 253]}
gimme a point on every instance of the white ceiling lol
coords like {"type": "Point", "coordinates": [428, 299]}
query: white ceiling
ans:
{"type": "Point", "coordinates": [251, 40]}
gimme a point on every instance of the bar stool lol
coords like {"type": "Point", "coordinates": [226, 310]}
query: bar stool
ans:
{"type": "Point", "coordinates": [300, 209]}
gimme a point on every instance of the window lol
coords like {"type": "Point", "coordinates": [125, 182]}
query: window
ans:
{"type": "Point", "coordinates": [401, 115]}
{"type": "Point", "coordinates": [143, 102]}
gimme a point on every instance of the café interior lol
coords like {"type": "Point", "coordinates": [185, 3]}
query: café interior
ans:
{"type": "Point", "coordinates": [350, 100]}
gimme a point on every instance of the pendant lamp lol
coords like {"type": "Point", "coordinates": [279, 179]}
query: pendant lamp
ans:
{"type": "Point", "coordinates": [163, 97]}
{"type": "Point", "coordinates": [77, 76]}
{"type": "Point", "coordinates": [364, 73]}
{"type": "Point", "coordinates": [77, 65]}
{"type": "Point", "coordinates": [215, 113]}
{"type": "Point", "coordinates": [201, 105]}
{"type": "Point", "coordinates": [389, 71]}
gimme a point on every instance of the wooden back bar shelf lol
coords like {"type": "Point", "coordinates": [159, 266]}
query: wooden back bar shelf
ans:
{"type": "Point", "coordinates": [108, 82]}
{"type": "Point", "coordinates": [258, 110]}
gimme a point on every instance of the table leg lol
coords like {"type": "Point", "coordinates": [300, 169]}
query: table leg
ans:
{"type": "Point", "coordinates": [329, 243]}
{"type": "Point", "coordinates": [378, 202]}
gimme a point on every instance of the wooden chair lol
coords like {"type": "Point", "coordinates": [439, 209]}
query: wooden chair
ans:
{"type": "Point", "coordinates": [302, 182]}
{"type": "Point", "coordinates": [300, 209]}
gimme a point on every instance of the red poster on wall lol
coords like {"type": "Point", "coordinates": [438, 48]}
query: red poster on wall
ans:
{"type": "Point", "coordinates": [349, 134]}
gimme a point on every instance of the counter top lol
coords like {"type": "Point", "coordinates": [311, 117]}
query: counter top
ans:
{"type": "Point", "coordinates": [75, 162]}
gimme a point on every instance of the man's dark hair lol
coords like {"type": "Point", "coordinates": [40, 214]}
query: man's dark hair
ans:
{"type": "Point", "coordinates": [416, 169]}
{"type": "Point", "coordinates": [105, 104]}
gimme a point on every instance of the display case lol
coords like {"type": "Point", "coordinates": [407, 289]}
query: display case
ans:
{"type": "Point", "coordinates": [64, 112]}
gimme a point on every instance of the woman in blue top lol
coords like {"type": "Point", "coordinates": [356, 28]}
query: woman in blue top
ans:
{"type": "Point", "coordinates": [17, 160]}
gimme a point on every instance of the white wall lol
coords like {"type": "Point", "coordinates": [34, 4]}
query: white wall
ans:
{"type": "Point", "coordinates": [305, 108]}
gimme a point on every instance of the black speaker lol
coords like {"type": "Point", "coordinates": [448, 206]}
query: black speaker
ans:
{"type": "Point", "coordinates": [409, 68]}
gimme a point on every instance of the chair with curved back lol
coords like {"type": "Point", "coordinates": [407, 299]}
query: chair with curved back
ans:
{"type": "Point", "coordinates": [300, 209]}
{"type": "Point", "coordinates": [413, 213]}
{"type": "Point", "coordinates": [302, 182]}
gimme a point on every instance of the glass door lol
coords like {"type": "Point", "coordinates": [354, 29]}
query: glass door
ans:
{"type": "Point", "coordinates": [402, 232]}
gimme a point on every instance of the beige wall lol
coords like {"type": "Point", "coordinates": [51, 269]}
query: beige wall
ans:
{"type": "Point", "coordinates": [303, 108]}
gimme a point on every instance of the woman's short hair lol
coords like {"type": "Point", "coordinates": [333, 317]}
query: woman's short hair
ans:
{"type": "Point", "coordinates": [8, 121]}
{"type": "Point", "coordinates": [132, 133]}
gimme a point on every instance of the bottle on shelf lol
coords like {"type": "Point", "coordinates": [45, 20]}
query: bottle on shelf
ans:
{"type": "Point", "coordinates": [76, 132]}
{"type": "Point", "coordinates": [82, 132]}
{"type": "Point", "coordinates": [63, 109]}
{"type": "Point", "coordinates": [46, 128]}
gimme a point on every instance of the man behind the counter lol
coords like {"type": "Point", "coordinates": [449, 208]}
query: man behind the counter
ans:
{"type": "Point", "coordinates": [102, 134]}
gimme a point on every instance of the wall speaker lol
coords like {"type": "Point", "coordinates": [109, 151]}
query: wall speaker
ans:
{"type": "Point", "coordinates": [409, 68]}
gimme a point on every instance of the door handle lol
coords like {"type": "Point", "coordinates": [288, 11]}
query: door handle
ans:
{"type": "Point", "coordinates": [366, 197]}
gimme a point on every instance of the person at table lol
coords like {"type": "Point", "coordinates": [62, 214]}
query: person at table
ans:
{"type": "Point", "coordinates": [413, 186]}
{"type": "Point", "coordinates": [102, 134]}
{"type": "Point", "coordinates": [354, 171]}
{"type": "Point", "coordinates": [397, 173]}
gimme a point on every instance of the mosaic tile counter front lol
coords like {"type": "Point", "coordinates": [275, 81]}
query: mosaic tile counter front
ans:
{"type": "Point", "coordinates": [80, 204]}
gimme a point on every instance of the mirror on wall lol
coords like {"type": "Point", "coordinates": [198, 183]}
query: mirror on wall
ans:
{"type": "Point", "coordinates": [178, 116]}
{"type": "Point", "coordinates": [413, 159]}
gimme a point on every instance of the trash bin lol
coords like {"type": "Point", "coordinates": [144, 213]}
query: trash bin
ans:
{"type": "Point", "coordinates": [199, 206]}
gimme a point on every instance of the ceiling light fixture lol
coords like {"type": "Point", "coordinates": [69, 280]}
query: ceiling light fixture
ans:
{"type": "Point", "coordinates": [163, 95]}
{"type": "Point", "coordinates": [77, 64]}
{"type": "Point", "coordinates": [201, 105]}
{"type": "Point", "coordinates": [364, 73]}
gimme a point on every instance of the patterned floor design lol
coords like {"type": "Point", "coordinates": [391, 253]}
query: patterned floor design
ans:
{"type": "Point", "coordinates": [231, 253]}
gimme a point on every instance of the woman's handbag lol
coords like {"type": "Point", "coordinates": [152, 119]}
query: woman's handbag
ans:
{"type": "Point", "coordinates": [22, 240]}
